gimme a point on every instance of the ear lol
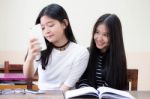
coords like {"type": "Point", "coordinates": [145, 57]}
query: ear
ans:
{"type": "Point", "coordinates": [65, 23]}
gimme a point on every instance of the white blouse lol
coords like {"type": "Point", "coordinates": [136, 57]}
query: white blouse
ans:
{"type": "Point", "coordinates": [64, 67]}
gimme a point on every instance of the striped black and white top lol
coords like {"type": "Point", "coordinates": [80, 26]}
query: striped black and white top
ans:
{"type": "Point", "coordinates": [99, 74]}
{"type": "Point", "coordinates": [100, 77]}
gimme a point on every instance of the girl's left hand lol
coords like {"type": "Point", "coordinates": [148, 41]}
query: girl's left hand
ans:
{"type": "Point", "coordinates": [64, 88]}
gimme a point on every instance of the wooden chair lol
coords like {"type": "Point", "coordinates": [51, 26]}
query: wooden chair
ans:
{"type": "Point", "coordinates": [133, 78]}
{"type": "Point", "coordinates": [18, 68]}
{"type": "Point", "coordinates": [10, 68]}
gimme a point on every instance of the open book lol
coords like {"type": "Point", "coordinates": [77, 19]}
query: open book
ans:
{"type": "Point", "coordinates": [101, 92]}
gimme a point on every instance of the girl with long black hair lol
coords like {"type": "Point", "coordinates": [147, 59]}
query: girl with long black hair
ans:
{"type": "Point", "coordinates": [107, 63]}
{"type": "Point", "coordinates": [61, 65]}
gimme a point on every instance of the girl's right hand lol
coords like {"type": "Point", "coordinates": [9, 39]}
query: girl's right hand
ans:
{"type": "Point", "coordinates": [34, 49]}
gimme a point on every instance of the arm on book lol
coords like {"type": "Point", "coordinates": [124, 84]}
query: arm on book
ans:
{"type": "Point", "coordinates": [82, 83]}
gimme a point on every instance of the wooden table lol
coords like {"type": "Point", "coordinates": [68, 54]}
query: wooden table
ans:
{"type": "Point", "coordinates": [56, 94]}
{"type": "Point", "coordinates": [52, 94]}
{"type": "Point", "coordinates": [141, 94]}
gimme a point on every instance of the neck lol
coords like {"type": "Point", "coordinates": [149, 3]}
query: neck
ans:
{"type": "Point", "coordinates": [62, 47]}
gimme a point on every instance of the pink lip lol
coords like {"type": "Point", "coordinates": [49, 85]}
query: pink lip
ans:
{"type": "Point", "coordinates": [100, 44]}
{"type": "Point", "coordinates": [49, 36]}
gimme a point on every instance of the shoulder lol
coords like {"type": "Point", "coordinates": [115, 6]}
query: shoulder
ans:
{"type": "Point", "coordinates": [78, 48]}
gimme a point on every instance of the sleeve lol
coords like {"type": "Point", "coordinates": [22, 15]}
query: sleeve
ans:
{"type": "Point", "coordinates": [83, 81]}
{"type": "Point", "coordinates": [78, 68]}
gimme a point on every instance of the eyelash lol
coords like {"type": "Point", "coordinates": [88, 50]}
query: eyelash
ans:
{"type": "Point", "coordinates": [51, 25]}
{"type": "Point", "coordinates": [106, 34]}
{"type": "Point", "coordinates": [48, 26]}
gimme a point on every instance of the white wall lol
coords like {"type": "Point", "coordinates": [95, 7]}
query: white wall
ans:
{"type": "Point", "coordinates": [17, 16]}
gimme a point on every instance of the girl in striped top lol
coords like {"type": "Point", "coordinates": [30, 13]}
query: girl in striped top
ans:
{"type": "Point", "coordinates": [107, 62]}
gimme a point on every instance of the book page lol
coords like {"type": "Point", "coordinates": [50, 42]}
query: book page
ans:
{"type": "Point", "coordinates": [114, 93]}
{"type": "Point", "coordinates": [80, 91]}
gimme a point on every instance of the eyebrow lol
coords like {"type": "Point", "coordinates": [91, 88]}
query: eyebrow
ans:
{"type": "Point", "coordinates": [102, 32]}
{"type": "Point", "coordinates": [47, 22]}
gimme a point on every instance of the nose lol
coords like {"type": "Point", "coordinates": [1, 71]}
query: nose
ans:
{"type": "Point", "coordinates": [46, 30]}
{"type": "Point", "coordinates": [99, 37]}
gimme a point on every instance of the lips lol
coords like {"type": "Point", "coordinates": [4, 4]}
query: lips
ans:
{"type": "Point", "coordinates": [49, 36]}
{"type": "Point", "coordinates": [100, 43]}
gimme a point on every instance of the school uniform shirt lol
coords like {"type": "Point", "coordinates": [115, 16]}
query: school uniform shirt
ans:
{"type": "Point", "coordinates": [64, 67]}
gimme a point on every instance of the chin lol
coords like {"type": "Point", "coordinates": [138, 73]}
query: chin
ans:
{"type": "Point", "coordinates": [50, 40]}
{"type": "Point", "coordinates": [100, 47]}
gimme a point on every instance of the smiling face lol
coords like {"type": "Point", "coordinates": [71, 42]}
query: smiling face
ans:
{"type": "Point", "coordinates": [101, 37]}
{"type": "Point", "coordinates": [53, 30]}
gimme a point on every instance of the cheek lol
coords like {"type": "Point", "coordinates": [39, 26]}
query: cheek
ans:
{"type": "Point", "coordinates": [95, 37]}
{"type": "Point", "coordinates": [44, 33]}
{"type": "Point", "coordinates": [58, 29]}
{"type": "Point", "coordinates": [59, 32]}
{"type": "Point", "coordinates": [107, 41]}
{"type": "Point", "coordinates": [54, 29]}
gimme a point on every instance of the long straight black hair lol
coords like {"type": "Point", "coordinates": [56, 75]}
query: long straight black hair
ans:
{"type": "Point", "coordinates": [56, 12]}
{"type": "Point", "coordinates": [115, 61]}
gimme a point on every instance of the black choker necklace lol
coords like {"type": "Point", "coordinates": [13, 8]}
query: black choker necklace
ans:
{"type": "Point", "coordinates": [63, 46]}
